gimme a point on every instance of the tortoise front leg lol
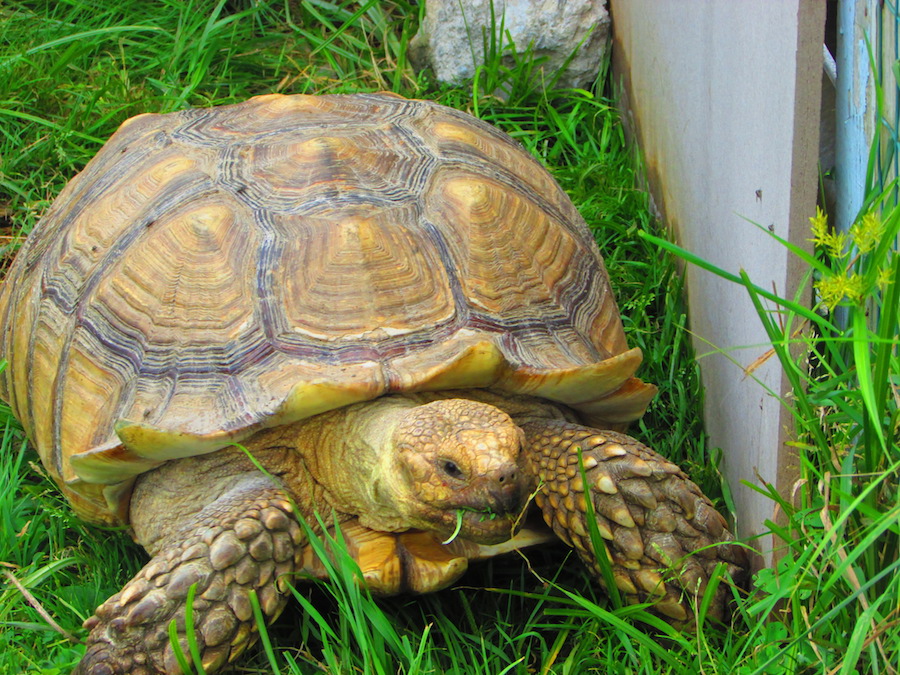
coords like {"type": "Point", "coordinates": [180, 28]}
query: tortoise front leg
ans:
{"type": "Point", "coordinates": [663, 536]}
{"type": "Point", "coordinates": [244, 541]}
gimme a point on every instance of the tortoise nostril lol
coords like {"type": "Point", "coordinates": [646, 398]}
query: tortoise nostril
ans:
{"type": "Point", "coordinates": [509, 476]}
{"type": "Point", "coordinates": [506, 490]}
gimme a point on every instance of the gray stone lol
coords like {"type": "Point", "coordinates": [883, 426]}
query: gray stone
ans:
{"type": "Point", "coordinates": [453, 33]}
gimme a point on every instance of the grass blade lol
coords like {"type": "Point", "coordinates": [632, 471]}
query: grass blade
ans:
{"type": "Point", "coordinates": [864, 376]}
{"type": "Point", "coordinates": [263, 633]}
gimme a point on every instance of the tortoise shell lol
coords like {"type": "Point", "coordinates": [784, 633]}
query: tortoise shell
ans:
{"type": "Point", "coordinates": [213, 272]}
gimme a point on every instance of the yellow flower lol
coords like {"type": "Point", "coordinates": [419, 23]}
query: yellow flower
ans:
{"type": "Point", "coordinates": [835, 288]}
{"type": "Point", "coordinates": [834, 243]}
{"type": "Point", "coordinates": [866, 232]}
{"type": "Point", "coordinates": [856, 288]}
{"type": "Point", "coordinates": [819, 225]}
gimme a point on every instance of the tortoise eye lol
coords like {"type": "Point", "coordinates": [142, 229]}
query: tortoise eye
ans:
{"type": "Point", "coordinates": [452, 469]}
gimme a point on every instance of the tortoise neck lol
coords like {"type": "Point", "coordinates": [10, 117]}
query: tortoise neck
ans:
{"type": "Point", "coordinates": [348, 455]}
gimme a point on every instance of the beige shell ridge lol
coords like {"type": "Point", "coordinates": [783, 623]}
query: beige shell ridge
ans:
{"type": "Point", "coordinates": [214, 272]}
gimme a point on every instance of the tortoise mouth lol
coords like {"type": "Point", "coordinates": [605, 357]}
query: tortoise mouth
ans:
{"type": "Point", "coordinates": [482, 526]}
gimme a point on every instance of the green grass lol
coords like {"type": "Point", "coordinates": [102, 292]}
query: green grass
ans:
{"type": "Point", "coordinates": [71, 71]}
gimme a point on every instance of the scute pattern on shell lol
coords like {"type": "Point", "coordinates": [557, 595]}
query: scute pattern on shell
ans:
{"type": "Point", "coordinates": [212, 272]}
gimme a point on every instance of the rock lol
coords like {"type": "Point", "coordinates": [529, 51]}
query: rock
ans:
{"type": "Point", "coordinates": [453, 35]}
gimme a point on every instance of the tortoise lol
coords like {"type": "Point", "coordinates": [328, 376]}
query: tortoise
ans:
{"type": "Point", "coordinates": [355, 311]}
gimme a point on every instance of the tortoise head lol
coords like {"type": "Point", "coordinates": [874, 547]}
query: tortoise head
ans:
{"type": "Point", "coordinates": [457, 470]}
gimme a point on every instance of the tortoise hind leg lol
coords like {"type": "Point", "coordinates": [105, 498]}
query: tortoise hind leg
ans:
{"type": "Point", "coordinates": [663, 536]}
{"type": "Point", "coordinates": [245, 540]}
